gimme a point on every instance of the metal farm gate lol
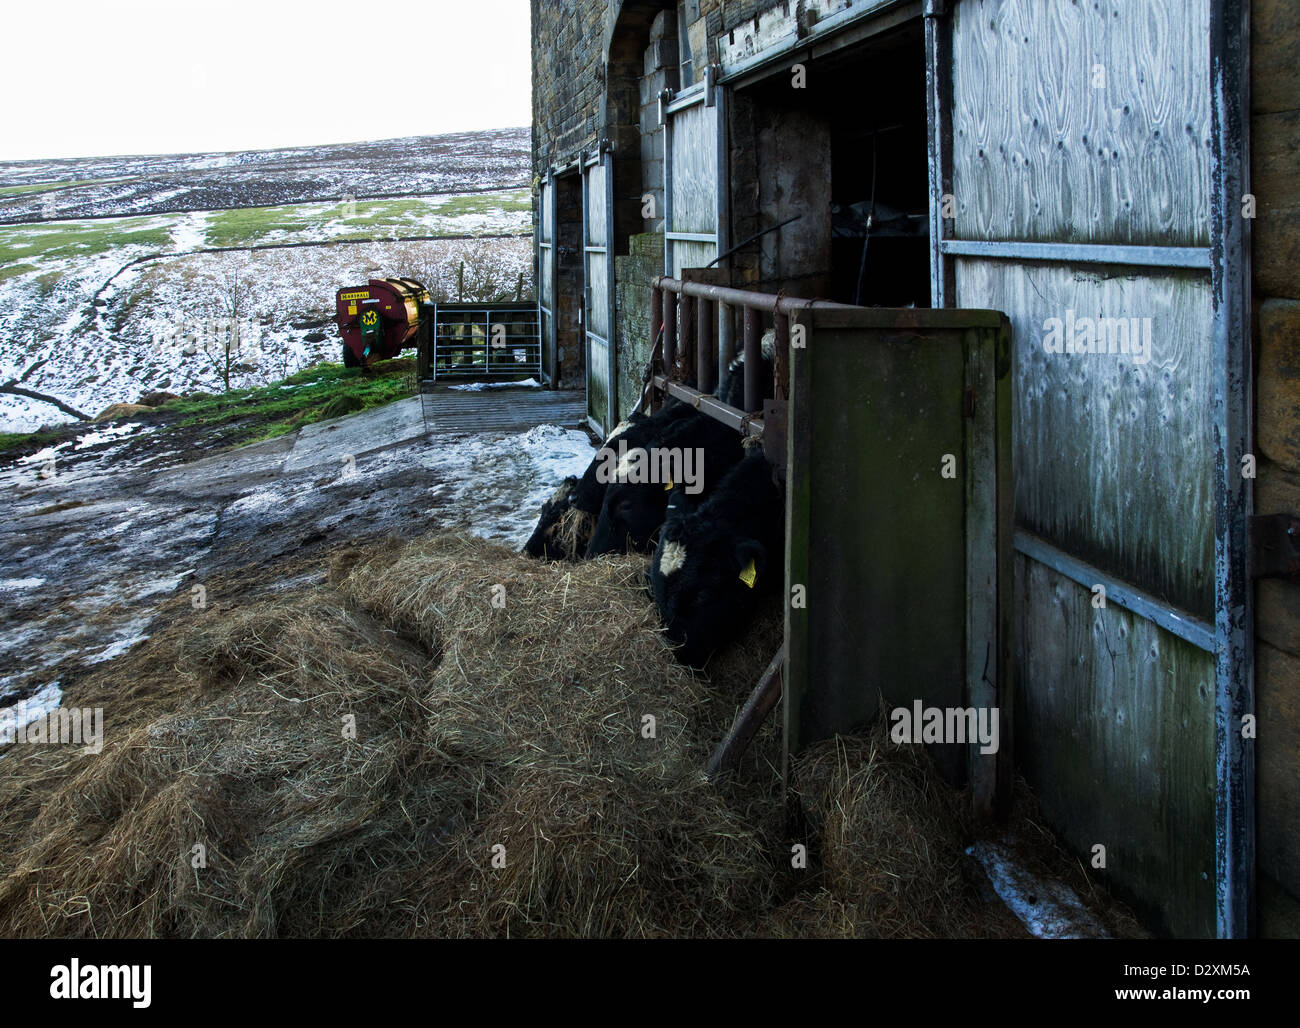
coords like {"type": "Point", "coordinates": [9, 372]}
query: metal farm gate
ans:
{"type": "Point", "coordinates": [484, 340]}
{"type": "Point", "coordinates": [598, 288]}
{"type": "Point", "coordinates": [1078, 156]}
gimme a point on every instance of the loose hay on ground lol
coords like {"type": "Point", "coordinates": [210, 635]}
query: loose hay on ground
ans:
{"type": "Point", "coordinates": [346, 757]}
{"type": "Point", "coordinates": [474, 726]}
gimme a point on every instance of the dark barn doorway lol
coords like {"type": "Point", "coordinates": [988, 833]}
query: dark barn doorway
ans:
{"type": "Point", "coordinates": [570, 352]}
{"type": "Point", "coordinates": [845, 154]}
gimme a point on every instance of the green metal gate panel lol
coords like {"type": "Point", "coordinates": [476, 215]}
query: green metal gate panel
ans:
{"type": "Point", "coordinates": [905, 572]}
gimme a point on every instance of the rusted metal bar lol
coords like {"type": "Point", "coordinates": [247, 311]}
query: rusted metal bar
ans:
{"type": "Point", "coordinates": [686, 337]}
{"type": "Point", "coordinates": [749, 719]}
{"type": "Point", "coordinates": [726, 336]}
{"type": "Point", "coordinates": [705, 348]}
{"type": "Point", "coordinates": [781, 358]}
{"type": "Point", "coordinates": [753, 359]}
{"type": "Point", "coordinates": [656, 340]}
{"type": "Point", "coordinates": [768, 302]}
{"type": "Point", "coordinates": [670, 332]}
{"type": "Point", "coordinates": [712, 406]}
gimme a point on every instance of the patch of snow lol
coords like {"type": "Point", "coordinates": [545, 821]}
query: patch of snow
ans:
{"type": "Point", "coordinates": [13, 584]}
{"type": "Point", "coordinates": [106, 434]}
{"type": "Point", "coordinates": [474, 387]}
{"type": "Point", "coordinates": [1049, 909]}
{"type": "Point", "coordinates": [43, 701]}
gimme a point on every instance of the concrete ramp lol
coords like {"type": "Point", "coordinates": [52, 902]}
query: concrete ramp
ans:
{"type": "Point", "coordinates": [448, 411]}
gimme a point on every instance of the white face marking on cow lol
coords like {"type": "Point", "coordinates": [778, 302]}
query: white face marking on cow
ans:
{"type": "Point", "coordinates": [626, 462]}
{"type": "Point", "coordinates": [619, 429]}
{"type": "Point", "coordinates": [672, 558]}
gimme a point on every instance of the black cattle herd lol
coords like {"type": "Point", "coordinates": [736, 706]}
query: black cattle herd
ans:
{"type": "Point", "coordinates": [716, 532]}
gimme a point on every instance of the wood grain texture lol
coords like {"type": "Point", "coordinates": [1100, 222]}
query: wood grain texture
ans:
{"type": "Point", "coordinates": [695, 169]}
{"type": "Point", "coordinates": [1042, 154]}
{"type": "Point", "coordinates": [1116, 732]}
{"type": "Point", "coordinates": [1113, 459]}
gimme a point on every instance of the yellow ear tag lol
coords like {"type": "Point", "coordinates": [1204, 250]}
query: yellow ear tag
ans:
{"type": "Point", "coordinates": [749, 574]}
{"type": "Point", "coordinates": [669, 487]}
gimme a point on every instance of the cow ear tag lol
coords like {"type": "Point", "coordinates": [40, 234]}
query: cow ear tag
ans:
{"type": "Point", "coordinates": [669, 487]}
{"type": "Point", "coordinates": [749, 574]}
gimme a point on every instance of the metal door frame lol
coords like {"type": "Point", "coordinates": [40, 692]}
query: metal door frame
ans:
{"type": "Point", "coordinates": [1227, 260]}
{"type": "Point", "coordinates": [602, 156]}
{"type": "Point", "coordinates": [546, 257]}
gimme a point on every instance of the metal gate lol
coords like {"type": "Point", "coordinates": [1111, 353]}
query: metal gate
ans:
{"type": "Point", "coordinates": [1129, 416]}
{"type": "Point", "coordinates": [598, 288]}
{"type": "Point", "coordinates": [546, 277]}
{"type": "Point", "coordinates": [485, 340]}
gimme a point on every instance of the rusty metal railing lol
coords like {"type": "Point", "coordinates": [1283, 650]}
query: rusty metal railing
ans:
{"type": "Point", "coordinates": [687, 313]}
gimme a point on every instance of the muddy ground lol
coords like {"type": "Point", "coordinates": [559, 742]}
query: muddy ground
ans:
{"type": "Point", "coordinates": [93, 545]}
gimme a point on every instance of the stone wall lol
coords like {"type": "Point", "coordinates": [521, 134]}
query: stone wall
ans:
{"type": "Point", "coordinates": [634, 272]}
{"type": "Point", "coordinates": [1275, 258]}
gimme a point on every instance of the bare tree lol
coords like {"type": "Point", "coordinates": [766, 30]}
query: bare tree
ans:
{"type": "Point", "coordinates": [221, 335]}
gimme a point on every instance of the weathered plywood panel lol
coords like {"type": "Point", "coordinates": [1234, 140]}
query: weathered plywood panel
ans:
{"type": "Point", "coordinates": [598, 383]}
{"type": "Point", "coordinates": [694, 179]}
{"type": "Point", "coordinates": [691, 255]}
{"type": "Point", "coordinates": [1113, 457]}
{"type": "Point", "coordinates": [1116, 734]}
{"type": "Point", "coordinates": [598, 294]}
{"type": "Point", "coordinates": [1082, 122]}
{"type": "Point", "coordinates": [597, 210]}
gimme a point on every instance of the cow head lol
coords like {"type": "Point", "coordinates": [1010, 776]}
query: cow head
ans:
{"type": "Point", "coordinates": [706, 582]}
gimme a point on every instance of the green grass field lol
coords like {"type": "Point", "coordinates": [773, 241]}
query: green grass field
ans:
{"type": "Point", "coordinates": [20, 244]}
{"type": "Point", "coordinates": [244, 416]}
{"type": "Point", "coordinates": [366, 219]}
{"type": "Point", "coordinates": [314, 394]}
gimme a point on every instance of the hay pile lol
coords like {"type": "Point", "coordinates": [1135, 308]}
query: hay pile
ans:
{"type": "Point", "coordinates": [474, 727]}
{"type": "Point", "coordinates": [891, 836]}
{"type": "Point", "coordinates": [344, 760]}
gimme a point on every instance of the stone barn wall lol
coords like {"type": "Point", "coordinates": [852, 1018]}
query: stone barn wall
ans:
{"type": "Point", "coordinates": [1275, 258]}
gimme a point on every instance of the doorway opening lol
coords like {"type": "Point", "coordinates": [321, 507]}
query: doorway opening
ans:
{"type": "Point", "coordinates": [844, 155]}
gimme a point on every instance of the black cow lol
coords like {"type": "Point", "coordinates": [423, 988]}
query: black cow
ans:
{"type": "Point", "coordinates": [634, 510]}
{"type": "Point", "coordinates": [731, 390]}
{"type": "Point", "coordinates": [568, 518]}
{"type": "Point", "coordinates": [716, 558]}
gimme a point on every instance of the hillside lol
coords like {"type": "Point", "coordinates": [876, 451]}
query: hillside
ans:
{"type": "Point", "coordinates": [109, 265]}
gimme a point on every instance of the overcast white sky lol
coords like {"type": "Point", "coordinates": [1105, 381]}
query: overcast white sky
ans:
{"type": "Point", "coordinates": [143, 76]}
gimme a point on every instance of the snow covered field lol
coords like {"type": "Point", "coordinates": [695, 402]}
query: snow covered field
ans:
{"type": "Point", "coordinates": [99, 186]}
{"type": "Point", "coordinates": [110, 326]}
